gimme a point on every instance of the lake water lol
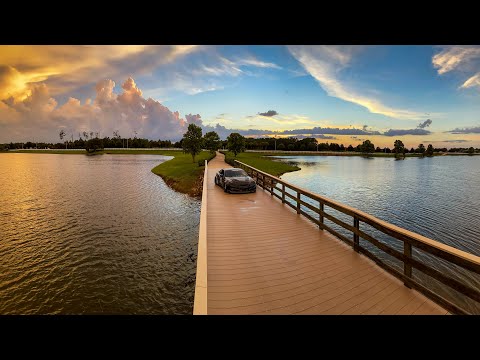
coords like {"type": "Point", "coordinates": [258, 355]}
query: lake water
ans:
{"type": "Point", "coordinates": [436, 197]}
{"type": "Point", "coordinates": [94, 234]}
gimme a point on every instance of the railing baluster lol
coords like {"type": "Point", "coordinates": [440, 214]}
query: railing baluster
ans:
{"type": "Point", "coordinates": [407, 268]}
{"type": "Point", "coordinates": [283, 193]}
{"type": "Point", "coordinates": [298, 203]}
{"type": "Point", "coordinates": [320, 204]}
{"type": "Point", "coordinates": [271, 187]}
{"type": "Point", "coordinates": [356, 242]}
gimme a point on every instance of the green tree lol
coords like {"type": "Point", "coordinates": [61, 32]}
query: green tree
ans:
{"type": "Point", "coordinates": [281, 146]}
{"type": "Point", "coordinates": [192, 140]}
{"type": "Point", "coordinates": [93, 145]}
{"type": "Point", "coordinates": [471, 150]}
{"type": "Point", "coordinates": [421, 150]}
{"type": "Point", "coordinates": [290, 147]}
{"type": "Point", "coordinates": [367, 148]}
{"type": "Point", "coordinates": [62, 135]}
{"type": "Point", "coordinates": [399, 149]}
{"type": "Point", "coordinates": [235, 143]}
{"type": "Point", "coordinates": [429, 151]}
{"type": "Point", "coordinates": [211, 141]}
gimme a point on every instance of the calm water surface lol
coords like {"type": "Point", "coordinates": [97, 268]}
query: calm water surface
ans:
{"type": "Point", "coordinates": [94, 234]}
{"type": "Point", "coordinates": [436, 197]}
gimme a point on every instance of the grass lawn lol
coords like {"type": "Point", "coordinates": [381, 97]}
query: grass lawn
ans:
{"type": "Point", "coordinates": [181, 173]}
{"type": "Point", "coordinates": [261, 162]}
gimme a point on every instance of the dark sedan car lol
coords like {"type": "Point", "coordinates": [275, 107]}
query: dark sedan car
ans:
{"type": "Point", "coordinates": [235, 180]}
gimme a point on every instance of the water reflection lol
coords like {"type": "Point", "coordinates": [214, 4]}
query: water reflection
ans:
{"type": "Point", "coordinates": [99, 234]}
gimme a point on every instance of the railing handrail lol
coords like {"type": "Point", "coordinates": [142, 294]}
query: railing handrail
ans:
{"type": "Point", "coordinates": [355, 212]}
{"type": "Point", "coordinates": [200, 300]}
{"type": "Point", "coordinates": [410, 239]}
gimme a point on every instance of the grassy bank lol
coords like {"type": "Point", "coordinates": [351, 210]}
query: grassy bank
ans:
{"type": "Point", "coordinates": [261, 162]}
{"type": "Point", "coordinates": [181, 173]}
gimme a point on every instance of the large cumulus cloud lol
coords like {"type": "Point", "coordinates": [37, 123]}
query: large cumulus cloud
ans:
{"type": "Point", "coordinates": [128, 112]}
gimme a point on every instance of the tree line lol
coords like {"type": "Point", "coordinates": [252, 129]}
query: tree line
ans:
{"type": "Point", "coordinates": [91, 140]}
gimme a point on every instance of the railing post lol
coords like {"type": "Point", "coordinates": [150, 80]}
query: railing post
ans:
{"type": "Point", "coordinates": [320, 206]}
{"type": "Point", "coordinates": [407, 268]}
{"type": "Point", "coordinates": [283, 193]}
{"type": "Point", "coordinates": [298, 202]}
{"type": "Point", "coordinates": [356, 242]}
{"type": "Point", "coordinates": [271, 187]}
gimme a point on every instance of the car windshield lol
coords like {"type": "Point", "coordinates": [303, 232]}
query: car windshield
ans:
{"type": "Point", "coordinates": [235, 172]}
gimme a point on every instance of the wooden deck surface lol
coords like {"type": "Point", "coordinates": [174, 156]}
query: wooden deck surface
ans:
{"type": "Point", "coordinates": [263, 258]}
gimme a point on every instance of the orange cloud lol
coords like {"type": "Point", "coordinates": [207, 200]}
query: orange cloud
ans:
{"type": "Point", "coordinates": [66, 67]}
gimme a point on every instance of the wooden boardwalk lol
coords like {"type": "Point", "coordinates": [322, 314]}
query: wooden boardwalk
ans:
{"type": "Point", "coordinates": [264, 258]}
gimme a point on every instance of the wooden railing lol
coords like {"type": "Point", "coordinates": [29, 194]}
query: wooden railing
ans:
{"type": "Point", "coordinates": [277, 187]}
{"type": "Point", "coordinates": [200, 301]}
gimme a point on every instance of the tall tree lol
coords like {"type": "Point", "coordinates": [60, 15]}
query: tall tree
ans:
{"type": "Point", "coordinates": [421, 150]}
{"type": "Point", "coordinates": [192, 140]}
{"type": "Point", "coordinates": [62, 135]}
{"type": "Point", "coordinates": [399, 149]}
{"type": "Point", "coordinates": [367, 147]}
{"type": "Point", "coordinates": [236, 143]}
{"type": "Point", "coordinates": [471, 151]}
{"type": "Point", "coordinates": [429, 151]}
{"type": "Point", "coordinates": [211, 141]}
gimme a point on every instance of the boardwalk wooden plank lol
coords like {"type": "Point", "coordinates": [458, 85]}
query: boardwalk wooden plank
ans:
{"type": "Point", "coordinates": [264, 258]}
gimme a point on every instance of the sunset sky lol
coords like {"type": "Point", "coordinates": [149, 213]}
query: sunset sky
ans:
{"type": "Point", "coordinates": [343, 94]}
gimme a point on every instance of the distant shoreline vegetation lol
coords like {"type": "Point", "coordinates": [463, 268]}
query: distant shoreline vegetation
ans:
{"type": "Point", "coordinates": [258, 144]}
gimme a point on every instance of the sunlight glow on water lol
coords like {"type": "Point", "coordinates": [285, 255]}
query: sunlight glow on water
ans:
{"type": "Point", "coordinates": [94, 234]}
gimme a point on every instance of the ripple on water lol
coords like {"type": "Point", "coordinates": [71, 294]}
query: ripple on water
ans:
{"type": "Point", "coordinates": [94, 235]}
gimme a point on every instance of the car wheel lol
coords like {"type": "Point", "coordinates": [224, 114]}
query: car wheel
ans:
{"type": "Point", "coordinates": [216, 182]}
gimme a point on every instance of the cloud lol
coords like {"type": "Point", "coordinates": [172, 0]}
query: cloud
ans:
{"type": "Point", "coordinates": [221, 66]}
{"type": "Point", "coordinates": [269, 113]}
{"type": "Point", "coordinates": [325, 63]}
{"type": "Point", "coordinates": [207, 71]}
{"type": "Point", "coordinates": [424, 124]}
{"type": "Point", "coordinates": [127, 112]}
{"type": "Point", "coordinates": [466, 130]}
{"type": "Point", "coordinates": [455, 141]}
{"type": "Point", "coordinates": [194, 119]}
{"type": "Point", "coordinates": [398, 132]}
{"type": "Point", "coordinates": [472, 81]}
{"type": "Point", "coordinates": [462, 59]}
{"type": "Point", "coordinates": [331, 131]}
{"type": "Point", "coordinates": [70, 67]}
{"type": "Point", "coordinates": [257, 63]}
{"type": "Point", "coordinates": [455, 58]}
{"type": "Point", "coordinates": [317, 136]}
